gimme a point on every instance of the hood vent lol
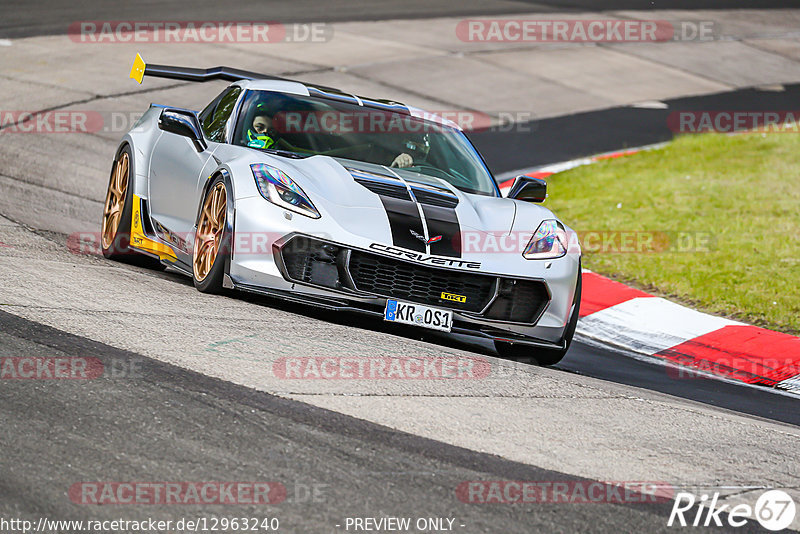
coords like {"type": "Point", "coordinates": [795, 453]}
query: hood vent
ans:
{"type": "Point", "coordinates": [386, 189]}
{"type": "Point", "coordinates": [389, 186]}
{"type": "Point", "coordinates": [441, 198]}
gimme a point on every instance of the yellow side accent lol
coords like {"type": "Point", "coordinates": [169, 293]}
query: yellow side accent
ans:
{"type": "Point", "coordinates": [137, 71]}
{"type": "Point", "coordinates": [454, 297]}
{"type": "Point", "coordinates": [142, 242]}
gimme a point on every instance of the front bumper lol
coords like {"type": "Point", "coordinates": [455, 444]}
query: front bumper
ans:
{"type": "Point", "coordinates": [264, 271]}
{"type": "Point", "coordinates": [375, 308]}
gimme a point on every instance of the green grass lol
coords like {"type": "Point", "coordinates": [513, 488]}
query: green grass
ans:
{"type": "Point", "coordinates": [741, 192]}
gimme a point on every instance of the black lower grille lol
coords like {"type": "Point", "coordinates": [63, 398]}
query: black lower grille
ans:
{"type": "Point", "coordinates": [312, 262]}
{"type": "Point", "coordinates": [319, 263]}
{"type": "Point", "coordinates": [518, 301]}
{"type": "Point", "coordinates": [402, 280]}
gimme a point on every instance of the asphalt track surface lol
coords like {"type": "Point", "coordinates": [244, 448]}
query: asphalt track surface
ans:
{"type": "Point", "coordinates": [155, 422]}
{"type": "Point", "coordinates": [52, 17]}
{"type": "Point", "coordinates": [168, 423]}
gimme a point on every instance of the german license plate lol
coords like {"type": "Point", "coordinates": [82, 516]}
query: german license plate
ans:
{"type": "Point", "coordinates": [418, 315]}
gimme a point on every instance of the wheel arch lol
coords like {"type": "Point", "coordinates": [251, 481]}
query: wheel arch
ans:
{"type": "Point", "coordinates": [142, 138]}
{"type": "Point", "coordinates": [134, 163]}
{"type": "Point", "coordinates": [230, 215]}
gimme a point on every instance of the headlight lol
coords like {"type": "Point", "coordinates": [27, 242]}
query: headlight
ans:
{"type": "Point", "coordinates": [276, 186]}
{"type": "Point", "coordinates": [548, 242]}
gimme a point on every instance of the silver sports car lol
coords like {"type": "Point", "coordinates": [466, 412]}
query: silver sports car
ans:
{"type": "Point", "coordinates": [314, 195]}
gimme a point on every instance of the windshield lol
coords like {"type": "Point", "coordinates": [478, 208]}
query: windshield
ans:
{"type": "Point", "coordinates": [320, 126]}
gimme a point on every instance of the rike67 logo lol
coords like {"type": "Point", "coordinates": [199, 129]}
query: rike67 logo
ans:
{"type": "Point", "coordinates": [774, 510]}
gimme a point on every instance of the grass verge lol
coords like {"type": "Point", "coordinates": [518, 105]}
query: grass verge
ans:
{"type": "Point", "coordinates": [712, 220]}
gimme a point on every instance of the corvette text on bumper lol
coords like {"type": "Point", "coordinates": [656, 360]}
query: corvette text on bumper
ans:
{"type": "Point", "coordinates": [423, 258]}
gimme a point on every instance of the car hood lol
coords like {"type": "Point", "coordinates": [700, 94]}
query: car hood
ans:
{"type": "Point", "coordinates": [336, 182]}
{"type": "Point", "coordinates": [363, 199]}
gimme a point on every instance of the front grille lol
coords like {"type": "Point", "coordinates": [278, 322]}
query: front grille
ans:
{"type": "Point", "coordinates": [398, 279]}
{"type": "Point", "coordinates": [319, 263]}
{"type": "Point", "coordinates": [518, 301]}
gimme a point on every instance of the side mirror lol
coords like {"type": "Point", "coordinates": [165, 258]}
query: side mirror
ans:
{"type": "Point", "coordinates": [528, 189]}
{"type": "Point", "coordinates": [183, 123]}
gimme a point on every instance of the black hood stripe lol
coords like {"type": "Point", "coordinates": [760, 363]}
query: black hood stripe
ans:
{"type": "Point", "coordinates": [404, 217]}
{"type": "Point", "coordinates": [430, 206]}
{"type": "Point", "coordinates": [443, 222]}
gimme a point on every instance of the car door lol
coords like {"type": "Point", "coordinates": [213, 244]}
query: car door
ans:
{"type": "Point", "coordinates": [177, 168]}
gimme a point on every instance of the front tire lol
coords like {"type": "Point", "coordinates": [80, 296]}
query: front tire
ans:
{"type": "Point", "coordinates": [545, 357]}
{"type": "Point", "coordinates": [210, 240]}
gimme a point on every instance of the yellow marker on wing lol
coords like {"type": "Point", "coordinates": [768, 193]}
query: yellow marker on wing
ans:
{"type": "Point", "coordinates": [137, 71]}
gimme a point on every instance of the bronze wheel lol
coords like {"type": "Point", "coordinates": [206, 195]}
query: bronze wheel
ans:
{"type": "Point", "coordinates": [210, 230]}
{"type": "Point", "coordinates": [115, 199]}
{"type": "Point", "coordinates": [115, 232]}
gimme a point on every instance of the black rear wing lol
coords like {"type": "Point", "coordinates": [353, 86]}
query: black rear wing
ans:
{"type": "Point", "coordinates": [140, 69]}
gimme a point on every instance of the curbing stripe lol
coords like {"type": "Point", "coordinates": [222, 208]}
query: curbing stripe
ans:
{"type": "Point", "coordinates": [760, 356]}
{"type": "Point", "coordinates": [793, 385]}
{"type": "Point", "coordinates": [649, 325]}
{"type": "Point", "coordinates": [703, 343]}
{"type": "Point", "coordinates": [600, 293]}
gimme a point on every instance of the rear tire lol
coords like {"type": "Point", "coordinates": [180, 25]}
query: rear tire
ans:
{"type": "Point", "coordinates": [211, 240]}
{"type": "Point", "coordinates": [115, 230]}
{"type": "Point", "coordinates": [545, 357]}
